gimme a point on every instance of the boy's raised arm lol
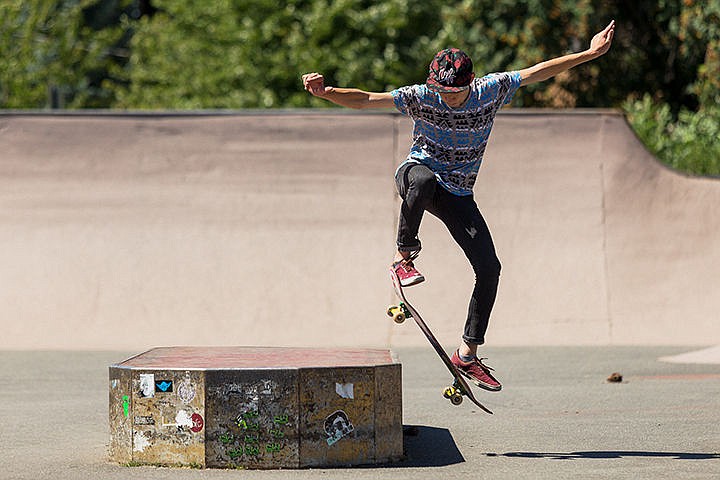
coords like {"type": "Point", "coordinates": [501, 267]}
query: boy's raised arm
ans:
{"type": "Point", "coordinates": [346, 97]}
{"type": "Point", "coordinates": [542, 71]}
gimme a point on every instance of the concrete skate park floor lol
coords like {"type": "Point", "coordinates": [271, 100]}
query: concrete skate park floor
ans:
{"type": "Point", "coordinates": [556, 417]}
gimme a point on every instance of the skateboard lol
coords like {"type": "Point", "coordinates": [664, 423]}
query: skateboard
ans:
{"type": "Point", "coordinates": [404, 310]}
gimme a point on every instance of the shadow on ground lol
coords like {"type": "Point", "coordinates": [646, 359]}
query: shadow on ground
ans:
{"type": "Point", "coordinates": [609, 454]}
{"type": "Point", "coordinates": [428, 447]}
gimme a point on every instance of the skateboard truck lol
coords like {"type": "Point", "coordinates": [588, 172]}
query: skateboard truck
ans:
{"type": "Point", "coordinates": [454, 393]}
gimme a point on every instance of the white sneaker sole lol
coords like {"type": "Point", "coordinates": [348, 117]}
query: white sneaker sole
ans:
{"type": "Point", "coordinates": [477, 383]}
{"type": "Point", "coordinates": [412, 281]}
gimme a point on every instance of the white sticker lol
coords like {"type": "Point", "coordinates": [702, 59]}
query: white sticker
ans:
{"type": "Point", "coordinates": [345, 390]}
{"type": "Point", "coordinates": [186, 391]}
{"type": "Point", "coordinates": [337, 426]}
{"type": "Point", "coordinates": [140, 442]}
{"type": "Point", "coordinates": [183, 419]}
{"type": "Point", "coordinates": [147, 385]}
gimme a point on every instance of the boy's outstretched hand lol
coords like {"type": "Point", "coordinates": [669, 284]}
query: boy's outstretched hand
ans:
{"type": "Point", "coordinates": [315, 84]}
{"type": "Point", "coordinates": [600, 43]}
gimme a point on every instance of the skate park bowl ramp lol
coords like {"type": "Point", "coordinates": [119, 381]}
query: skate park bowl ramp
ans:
{"type": "Point", "coordinates": [128, 231]}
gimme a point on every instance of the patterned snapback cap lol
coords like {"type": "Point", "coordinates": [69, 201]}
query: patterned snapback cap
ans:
{"type": "Point", "coordinates": [450, 71]}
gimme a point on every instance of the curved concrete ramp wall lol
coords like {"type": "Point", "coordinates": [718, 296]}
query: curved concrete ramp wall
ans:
{"type": "Point", "coordinates": [601, 244]}
{"type": "Point", "coordinates": [275, 229]}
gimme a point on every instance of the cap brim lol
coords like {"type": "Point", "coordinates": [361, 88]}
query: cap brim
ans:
{"type": "Point", "coordinates": [436, 87]}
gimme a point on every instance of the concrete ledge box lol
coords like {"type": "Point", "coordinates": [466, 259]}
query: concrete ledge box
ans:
{"type": "Point", "coordinates": [256, 407]}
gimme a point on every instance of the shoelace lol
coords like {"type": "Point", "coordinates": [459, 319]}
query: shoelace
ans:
{"type": "Point", "coordinates": [407, 266]}
{"type": "Point", "coordinates": [407, 263]}
{"type": "Point", "coordinates": [479, 360]}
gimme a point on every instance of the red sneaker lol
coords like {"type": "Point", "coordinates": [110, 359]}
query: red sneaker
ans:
{"type": "Point", "coordinates": [407, 273]}
{"type": "Point", "coordinates": [477, 372]}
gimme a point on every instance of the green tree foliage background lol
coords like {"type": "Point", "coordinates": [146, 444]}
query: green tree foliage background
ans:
{"type": "Point", "coordinates": [687, 135]}
{"type": "Point", "coordinates": [663, 67]}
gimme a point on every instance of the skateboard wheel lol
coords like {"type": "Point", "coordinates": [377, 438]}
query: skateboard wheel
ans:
{"type": "Point", "coordinates": [396, 313]}
{"type": "Point", "coordinates": [456, 399]}
{"type": "Point", "coordinates": [449, 392]}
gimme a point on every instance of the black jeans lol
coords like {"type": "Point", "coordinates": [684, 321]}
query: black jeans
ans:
{"type": "Point", "coordinates": [420, 192]}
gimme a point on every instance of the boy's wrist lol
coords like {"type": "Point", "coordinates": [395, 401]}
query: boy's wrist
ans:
{"type": "Point", "coordinates": [326, 92]}
{"type": "Point", "coordinates": [592, 54]}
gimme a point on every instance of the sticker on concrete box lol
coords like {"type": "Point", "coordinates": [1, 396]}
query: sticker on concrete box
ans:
{"type": "Point", "coordinates": [163, 386]}
{"type": "Point", "coordinates": [140, 442]}
{"type": "Point", "coordinates": [183, 419]}
{"type": "Point", "coordinates": [143, 420]}
{"type": "Point", "coordinates": [194, 422]}
{"type": "Point", "coordinates": [345, 390]}
{"type": "Point", "coordinates": [197, 423]}
{"type": "Point", "coordinates": [147, 385]}
{"type": "Point", "coordinates": [337, 426]}
{"type": "Point", "coordinates": [186, 391]}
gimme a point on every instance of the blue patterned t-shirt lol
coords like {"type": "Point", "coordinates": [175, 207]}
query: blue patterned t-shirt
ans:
{"type": "Point", "coordinates": [451, 141]}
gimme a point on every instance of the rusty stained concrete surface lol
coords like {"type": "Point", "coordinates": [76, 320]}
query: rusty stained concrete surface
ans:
{"type": "Point", "coordinates": [150, 426]}
{"type": "Point", "coordinates": [252, 419]}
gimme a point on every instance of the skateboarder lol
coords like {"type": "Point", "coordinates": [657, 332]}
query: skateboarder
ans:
{"type": "Point", "coordinates": [453, 114]}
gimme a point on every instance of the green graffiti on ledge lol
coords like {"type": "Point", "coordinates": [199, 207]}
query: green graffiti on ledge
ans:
{"type": "Point", "coordinates": [253, 436]}
{"type": "Point", "coordinates": [273, 447]}
{"type": "Point", "coordinates": [126, 405]}
{"type": "Point", "coordinates": [281, 419]}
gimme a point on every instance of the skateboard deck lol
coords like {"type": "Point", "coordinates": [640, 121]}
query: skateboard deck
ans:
{"type": "Point", "coordinates": [460, 386]}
